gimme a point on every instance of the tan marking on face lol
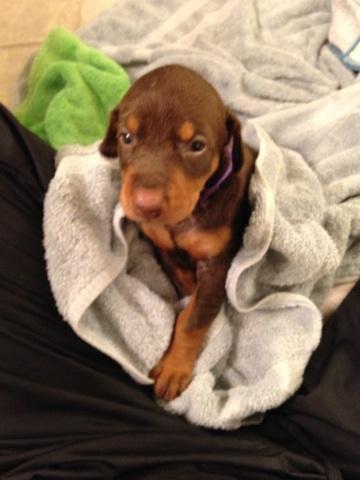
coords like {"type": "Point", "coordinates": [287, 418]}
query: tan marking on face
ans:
{"type": "Point", "coordinates": [184, 193]}
{"type": "Point", "coordinates": [181, 194]}
{"type": "Point", "coordinates": [186, 131]}
{"type": "Point", "coordinates": [125, 195]}
{"type": "Point", "coordinates": [204, 244]}
{"type": "Point", "coordinates": [133, 124]}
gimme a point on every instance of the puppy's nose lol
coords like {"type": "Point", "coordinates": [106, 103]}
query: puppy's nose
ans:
{"type": "Point", "coordinates": [148, 202]}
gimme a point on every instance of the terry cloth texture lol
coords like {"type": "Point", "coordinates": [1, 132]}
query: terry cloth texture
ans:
{"type": "Point", "coordinates": [261, 55]}
{"type": "Point", "coordinates": [344, 31]}
{"type": "Point", "coordinates": [303, 238]}
{"type": "Point", "coordinates": [70, 91]}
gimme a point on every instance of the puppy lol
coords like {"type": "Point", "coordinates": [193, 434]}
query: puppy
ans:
{"type": "Point", "coordinates": [185, 174]}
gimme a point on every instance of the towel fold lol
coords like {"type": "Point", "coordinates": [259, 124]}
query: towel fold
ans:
{"type": "Point", "coordinates": [261, 55]}
{"type": "Point", "coordinates": [344, 33]}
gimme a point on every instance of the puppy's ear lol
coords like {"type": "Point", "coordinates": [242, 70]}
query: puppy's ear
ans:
{"type": "Point", "coordinates": [234, 130]}
{"type": "Point", "coordinates": [108, 146]}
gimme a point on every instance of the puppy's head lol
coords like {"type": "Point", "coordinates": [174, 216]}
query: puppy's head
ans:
{"type": "Point", "coordinates": [170, 132]}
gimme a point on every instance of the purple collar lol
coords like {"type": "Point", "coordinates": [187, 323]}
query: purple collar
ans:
{"type": "Point", "coordinates": [207, 192]}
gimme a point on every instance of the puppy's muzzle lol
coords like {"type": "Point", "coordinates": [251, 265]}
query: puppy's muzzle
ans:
{"type": "Point", "coordinates": [148, 202]}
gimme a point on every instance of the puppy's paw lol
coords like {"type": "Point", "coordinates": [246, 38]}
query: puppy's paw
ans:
{"type": "Point", "coordinates": [171, 377]}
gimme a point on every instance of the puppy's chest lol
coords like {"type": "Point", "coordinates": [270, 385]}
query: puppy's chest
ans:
{"type": "Point", "coordinates": [199, 243]}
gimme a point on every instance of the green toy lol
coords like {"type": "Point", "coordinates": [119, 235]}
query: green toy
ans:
{"type": "Point", "coordinates": [70, 92]}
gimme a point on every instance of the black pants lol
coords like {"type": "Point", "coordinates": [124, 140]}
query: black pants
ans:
{"type": "Point", "coordinates": [68, 412]}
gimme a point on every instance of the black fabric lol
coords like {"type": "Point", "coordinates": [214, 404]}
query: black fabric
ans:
{"type": "Point", "coordinates": [69, 412]}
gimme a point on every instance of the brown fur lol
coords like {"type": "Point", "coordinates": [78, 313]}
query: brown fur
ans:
{"type": "Point", "coordinates": [170, 132]}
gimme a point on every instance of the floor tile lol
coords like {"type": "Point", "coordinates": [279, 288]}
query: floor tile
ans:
{"type": "Point", "coordinates": [91, 8]}
{"type": "Point", "coordinates": [28, 22]}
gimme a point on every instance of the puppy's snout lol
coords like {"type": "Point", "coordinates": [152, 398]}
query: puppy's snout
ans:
{"type": "Point", "coordinates": [148, 202]}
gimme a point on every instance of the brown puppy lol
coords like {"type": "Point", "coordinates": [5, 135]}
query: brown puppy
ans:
{"type": "Point", "coordinates": [184, 175]}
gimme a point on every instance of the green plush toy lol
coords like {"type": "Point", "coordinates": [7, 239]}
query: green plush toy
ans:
{"type": "Point", "coordinates": [70, 92]}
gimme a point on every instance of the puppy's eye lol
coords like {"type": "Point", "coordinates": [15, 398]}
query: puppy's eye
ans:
{"type": "Point", "coordinates": [126, 138]}
{"type": "Point", "coordinates": [197, 145]}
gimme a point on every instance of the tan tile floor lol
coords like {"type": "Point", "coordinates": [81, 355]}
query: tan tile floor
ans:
{"type": "Point", "coordinates": [24, 25]}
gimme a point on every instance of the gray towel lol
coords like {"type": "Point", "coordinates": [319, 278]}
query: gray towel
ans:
{"type": "Point", "coordinates": [262, 55]}
{"type": "Point", "coordinates": [303, 238]}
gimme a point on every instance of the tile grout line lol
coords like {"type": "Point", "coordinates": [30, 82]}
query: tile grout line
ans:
{"type": "Point", "coordinates": [20, 45]}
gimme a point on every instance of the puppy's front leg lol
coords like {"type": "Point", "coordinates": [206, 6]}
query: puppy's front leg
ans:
{"type": "Point", "coordinates": [173, 373]}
